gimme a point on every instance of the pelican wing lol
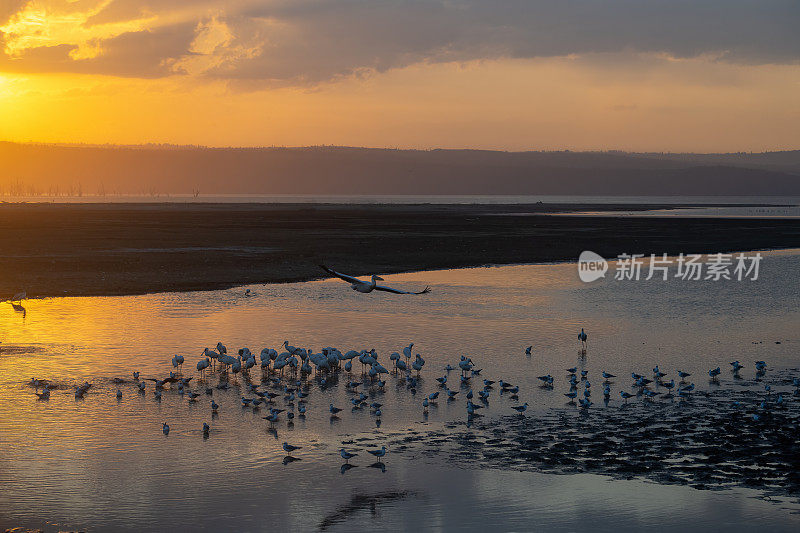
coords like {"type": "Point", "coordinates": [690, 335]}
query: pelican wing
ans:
{"type": "Point", "coordinates": [397, 291]}
{"type": "Point", "coordinates": [345, 277]}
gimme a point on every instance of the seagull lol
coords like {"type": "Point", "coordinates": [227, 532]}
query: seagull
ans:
{"type": "Point", "coordinates": [165, 428]}
{"type": "Point", "coordinates": [520, 408]}
{"type": "Point", "coordinates": [206, 428]}
{"type": "Point", "coordinates": [334, 410]}
{"type": "Point", "coordinates": [346, 455]}
{"type": "Point", "coordinates": [369, 286]}
{"type": "Point", "coordinates": [528, 350]}
{"type": "Point", "coordinates": [582, 337]}
{"type": "Point", "coordinates": [288, 448]}
{"type": "Point", "coordinates": [378, 453]}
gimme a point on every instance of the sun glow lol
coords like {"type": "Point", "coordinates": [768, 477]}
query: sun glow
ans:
{"type": "Point", "coordinates": [38, 25]}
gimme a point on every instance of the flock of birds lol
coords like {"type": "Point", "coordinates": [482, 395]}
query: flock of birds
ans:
{"type": "Point", "coordinates": [285, 377]}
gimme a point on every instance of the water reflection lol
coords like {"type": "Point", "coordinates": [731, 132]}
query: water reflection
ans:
{"type": "Point", "coordinates": [19, 309]}
{"type": "Point", "coordinates": [76, 451]}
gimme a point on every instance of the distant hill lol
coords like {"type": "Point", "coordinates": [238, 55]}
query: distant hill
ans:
{"type": "Point", "coordinates": [66, 169]}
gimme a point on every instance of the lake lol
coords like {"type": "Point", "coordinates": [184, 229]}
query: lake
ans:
{"type": "Point", "coordinates": [103, 463]}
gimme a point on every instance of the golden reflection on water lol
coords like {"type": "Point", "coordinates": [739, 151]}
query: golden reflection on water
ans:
{"type": "Point", "coordinates": [79, 450]}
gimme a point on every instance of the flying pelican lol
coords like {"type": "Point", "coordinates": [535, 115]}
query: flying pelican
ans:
{"type": "Point", "coordinates": [369, 286]}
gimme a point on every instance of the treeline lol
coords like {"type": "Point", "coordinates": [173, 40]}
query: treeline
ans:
{"type": "Point", "coordinates": [158, 170]}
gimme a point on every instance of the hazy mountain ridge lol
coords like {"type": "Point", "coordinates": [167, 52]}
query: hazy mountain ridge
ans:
{"type": "Point", "coordinates": [75, 169]}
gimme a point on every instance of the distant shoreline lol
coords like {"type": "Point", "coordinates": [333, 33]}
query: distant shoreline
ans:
{"type": "Point", "coordinates": [117, 249]}
{"type": "Point", "coordinates": [568, 202]}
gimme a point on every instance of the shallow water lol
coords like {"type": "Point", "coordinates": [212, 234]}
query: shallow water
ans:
{"type": "Point", "coordinates": [782, 211]}
{"type": "Point", "coordinates": [408, 199]}
{"type": "Point", "coordinates": [104, 464]}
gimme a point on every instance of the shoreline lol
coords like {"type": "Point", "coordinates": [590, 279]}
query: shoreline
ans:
{"type": "Point", "coordinates": [126, 249]}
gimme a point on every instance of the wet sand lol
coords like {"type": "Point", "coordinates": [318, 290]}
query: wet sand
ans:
{"type": "Point", "coordinates": [115, 249]}
{"type": "Point", "coordinates": [728, 437]}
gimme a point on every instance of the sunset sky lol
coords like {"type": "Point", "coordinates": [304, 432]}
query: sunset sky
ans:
{"type": "Point", "coordinates": [679, 75]}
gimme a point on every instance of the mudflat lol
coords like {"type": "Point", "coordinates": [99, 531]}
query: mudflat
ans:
{"type": "Point", "coordinates": [114, 249]}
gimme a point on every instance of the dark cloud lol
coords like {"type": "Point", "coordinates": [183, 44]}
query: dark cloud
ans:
{"type": "Point", "coordinates": [134, 54]}
{"type": "Point", "coordinates": [308, 41]}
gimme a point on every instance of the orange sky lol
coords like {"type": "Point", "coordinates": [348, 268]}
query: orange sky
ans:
{"type": "Point", "coordinates": [246, 72]}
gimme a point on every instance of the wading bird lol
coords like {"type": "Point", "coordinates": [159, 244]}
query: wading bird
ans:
{"type": "Point", "coordinates": [582, 338]}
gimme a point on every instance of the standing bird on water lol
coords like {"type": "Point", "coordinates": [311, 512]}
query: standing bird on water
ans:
{"type": "Point", "coordinates": [582, 338]}
{"type": "Point", "coordinates": [346, 455]}
{"type": "Point", "coordinates": [288, 448]}
{"type": "Point", "coordinates": [378, 453]}
{"type": "Point", "coordinates": [369, 286]}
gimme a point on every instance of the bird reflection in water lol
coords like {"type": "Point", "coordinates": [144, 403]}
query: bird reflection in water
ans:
{"type": "Point", "coordinates": [345, 467]}
{"type": "Point", "coordinates": [379, 465]}
{"type": "Point", "coordinates": [19, 309]}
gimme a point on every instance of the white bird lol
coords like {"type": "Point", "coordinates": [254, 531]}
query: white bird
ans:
{"type": "Point", "coordinates": [369, 286]}
{"type": "Point", "coordinates": [582, 337]}
{"type": "Point", "coordinates": [520, 408]}
{"type": "Point", "coordinates": [378, 453]}
{"type": "Point", "coordinates": [346, 455]}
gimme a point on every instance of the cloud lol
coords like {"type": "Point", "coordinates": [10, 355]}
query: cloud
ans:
{"type": "Point", "coordinates": [214, 48]}
{"type": "Point", "coordinates": [301, 42]}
